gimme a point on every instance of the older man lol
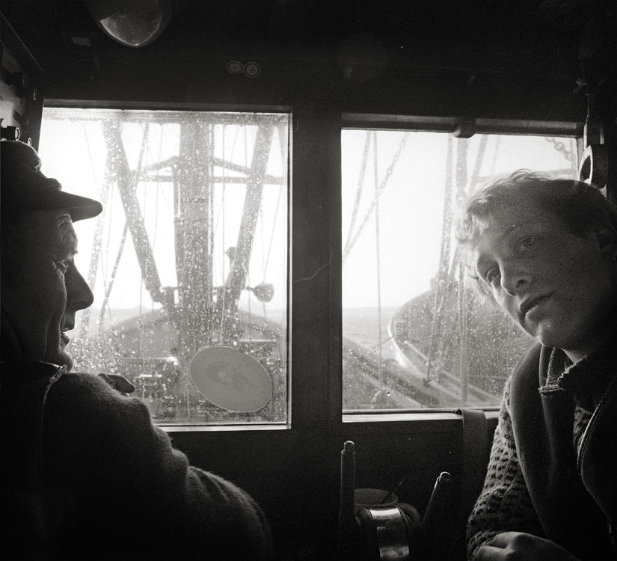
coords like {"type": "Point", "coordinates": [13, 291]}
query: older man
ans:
{"type": "Point", "coordinates": [85, 473]}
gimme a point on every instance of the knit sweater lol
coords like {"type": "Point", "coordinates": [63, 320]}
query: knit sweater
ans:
{"type": "Point", "coordinates": [505, 503]}
{"type": "Point", "coordinates": [87, 476]}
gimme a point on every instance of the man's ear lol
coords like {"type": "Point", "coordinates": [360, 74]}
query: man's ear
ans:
{"type": "Point", "coordinates": [606, 238]}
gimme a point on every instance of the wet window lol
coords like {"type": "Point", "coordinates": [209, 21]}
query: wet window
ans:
{"type": "Point", "coordinates": [415, 333]}
{"type": "Point", "coordinates": [187, 262]}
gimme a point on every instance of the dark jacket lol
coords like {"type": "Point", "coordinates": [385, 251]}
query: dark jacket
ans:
{"type": "Point", "coordinates": [574, 497]}
{"type": "Point", "coordinates": [86, 475]}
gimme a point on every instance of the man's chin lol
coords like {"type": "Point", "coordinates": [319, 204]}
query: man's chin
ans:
{"type": "Point", "coordinates": [66, 361]}
{"type": "Point", "coordinates": [62, 359]}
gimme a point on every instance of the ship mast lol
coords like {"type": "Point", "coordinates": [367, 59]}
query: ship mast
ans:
{"type": "Point", "coordinates": [193, 236]}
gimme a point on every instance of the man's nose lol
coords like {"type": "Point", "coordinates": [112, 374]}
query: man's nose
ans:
{"type": "Point", "coordinates": [514, 278]}
{"type": "Point", "coordinates": [78, 293]}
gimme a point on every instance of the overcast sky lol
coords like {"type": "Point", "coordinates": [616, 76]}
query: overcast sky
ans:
{"type": "Point", "coordinates": [405, 241]}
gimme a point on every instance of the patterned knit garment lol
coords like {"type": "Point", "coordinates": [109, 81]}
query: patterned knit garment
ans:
{"type": "Point", "coordinates": [504, 503]}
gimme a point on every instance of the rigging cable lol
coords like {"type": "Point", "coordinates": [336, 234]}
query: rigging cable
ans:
{"type": "Point", "coordinates": [282, 145]}
{"type": "Point", "coordinates": [442, 271]}
{"type": "Point", "coordinates": [156, 200]}
{"type": "Point", "coordinates": [223, 228]}
{"type": "Point", "coordinates": [282, 187]}
{"type": "Point", "coordinates": [464, 301]}
{"type": "Point", "coordinates": [221, 217]}
{"type": "Point", "coordinates": [476, 169]}
{"type": "Point", "coordinates": [494, 160]}
{"type": "Point", "coordinates": [95, 254]}
{"type": "Point", "coordinates": [134, 180]}
{"type": "Point", "coordinates": [449, 291]}
{"type": "Point", "coordinates": [563, 150]}
{"type": "Point", "coordinates": [356, 206]}
{"type": "Point", "coordinates": [105, 303]}
{"type": "Point", "coordinates": [382, 186]}
{"type": "Point", "coordinates": [248, 272]}
{"type": "Point", "coordinates": [378, 258]}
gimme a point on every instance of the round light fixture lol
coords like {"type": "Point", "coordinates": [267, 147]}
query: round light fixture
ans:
{"type": "Point", "coordinates": [133, 23]}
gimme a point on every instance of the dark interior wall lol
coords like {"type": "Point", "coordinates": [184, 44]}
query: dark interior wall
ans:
{"type": "Point", "coordinates": [484, 59]}
{"type": "Point", "coordinates": [21, 94]}
{"type": "Point", "coordinates": [296, 475]}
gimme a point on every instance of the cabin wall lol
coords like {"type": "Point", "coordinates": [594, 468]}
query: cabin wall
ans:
{"type": "Point", "coordinates": [21, 93]}
{"type": "Point", "coordinates": [396, 90]}
{"type": "Point", "coordinates": [442, 59]}
{"type": "Point", "coordinates": [295, 476]}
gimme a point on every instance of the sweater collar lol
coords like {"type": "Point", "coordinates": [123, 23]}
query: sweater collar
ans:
{"type": "Point", "coordinates": [586, 380]}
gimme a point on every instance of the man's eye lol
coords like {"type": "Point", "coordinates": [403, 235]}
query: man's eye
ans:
{"type": "Point", "coordinates": [525, 243]}
{"type": "Point", "coordinates": [491, 276]}
{"type": "Point", "coordinates": [63, 266]}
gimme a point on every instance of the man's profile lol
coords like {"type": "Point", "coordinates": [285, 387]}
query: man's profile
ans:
{"type": "Point", "coordinates": [85, 473]}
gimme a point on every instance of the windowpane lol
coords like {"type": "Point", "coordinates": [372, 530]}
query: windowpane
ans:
{"type": "Point", "coordinates": [187, 262]}
{"type": "Point", "coordinates": [416, 335]}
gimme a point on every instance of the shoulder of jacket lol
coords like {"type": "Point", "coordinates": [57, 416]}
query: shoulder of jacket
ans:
{"type": "Point", "coordinates": [82, 379]}
{"type": "Point", "coordinates": [83, 386]}
{"type": "Point", "coordinates": [91, 402]}
{"type": "Point", "coordinates": [526, 370]}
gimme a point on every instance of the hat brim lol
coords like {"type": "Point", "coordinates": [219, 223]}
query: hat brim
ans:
{"type": "Point", "coordinates": [78, 207]}
{"type": "Point", "coordinates": [24, 187]}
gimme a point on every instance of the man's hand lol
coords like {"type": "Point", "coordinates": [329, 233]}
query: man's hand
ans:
{"type": "Point", "coordinates": [119, 383]}
{"type": "Point", "coordinates": [514, 546]}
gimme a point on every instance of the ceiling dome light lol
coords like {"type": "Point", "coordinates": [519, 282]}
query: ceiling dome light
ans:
{"type": "Point", "coordinates": [133, 23]}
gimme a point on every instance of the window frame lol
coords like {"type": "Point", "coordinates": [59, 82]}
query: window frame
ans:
{"type": "Point", "coordinates": [315, 392]}
{"type": "Point", "coordinates": [463, 127]}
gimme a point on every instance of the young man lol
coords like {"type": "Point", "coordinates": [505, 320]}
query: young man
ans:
{"type": "Point", "coordinates": [85, 474]}
{"type": "Point", "coordinates": [546, 251]}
